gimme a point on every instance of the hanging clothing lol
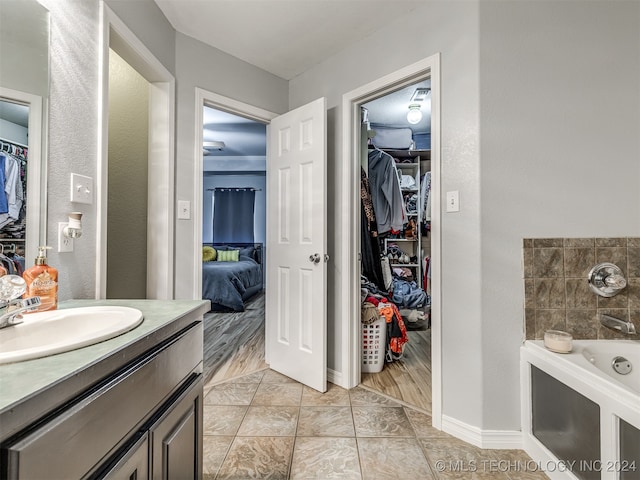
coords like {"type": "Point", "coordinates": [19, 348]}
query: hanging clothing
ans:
{"type": "Point", "coordinates": [4, 205]}
{"type": "Point", "coordinates": [370, 250]}
{"type": "Point", "coordinates": [425, 194]}
{"type": "Point", "coordinates": [369, 245]}
{"type": "Point", "coordinates": [367, 202]}
{"type": "Point", "coordinates": [13, 190]}
{"type": "Point", "coordinates": [387, 199]}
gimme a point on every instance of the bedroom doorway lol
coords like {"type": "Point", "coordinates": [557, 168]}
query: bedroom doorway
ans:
{"type": "Point", "coordinates": [233, 219]}
{"type": "Point", "coordinates": [297, 263]}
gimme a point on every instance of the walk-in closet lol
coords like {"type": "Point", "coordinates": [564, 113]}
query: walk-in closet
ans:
{"type": "Point", "coordinates": [14, 138]}
{"type": "Point", "coordinates": [395, 244]}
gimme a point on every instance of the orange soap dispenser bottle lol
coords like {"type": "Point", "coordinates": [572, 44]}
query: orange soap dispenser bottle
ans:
{"type": "Point", "coordinates": [42, 281]}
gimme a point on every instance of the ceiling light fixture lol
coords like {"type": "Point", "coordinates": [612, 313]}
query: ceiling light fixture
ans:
{"type": "Point", "coordinates": [213, 145]}
{"type": "Point", "coordinates": [414, 115]}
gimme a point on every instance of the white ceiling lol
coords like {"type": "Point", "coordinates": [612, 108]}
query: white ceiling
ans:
{"type": "Point", "coordinates": [284, 37]}
{"type": "Point", "coordinates": [242, 137]}
{"type": "Point", "coordinates": [14, 113]}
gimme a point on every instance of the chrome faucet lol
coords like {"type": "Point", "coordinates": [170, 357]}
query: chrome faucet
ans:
{"type": "Point", "coordinates": [618, 325]}
{"type": "Point", "coordinates": [11, 306]}
{"type": "Point", "coordinates": [11, 311]}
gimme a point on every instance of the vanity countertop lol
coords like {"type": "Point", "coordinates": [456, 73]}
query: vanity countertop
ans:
{"type": "Point", "coordinates": [30, 388]}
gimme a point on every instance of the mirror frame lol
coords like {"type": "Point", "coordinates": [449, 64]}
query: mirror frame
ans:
{"type": "Point", "coordinates": [36, 168]}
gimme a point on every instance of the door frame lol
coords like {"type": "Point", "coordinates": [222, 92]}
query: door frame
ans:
{"type": "Point", "coordinates": [350, 228]}
{"type": "Point", "coordinates": [36, 232]}
{"type": "Point", "coordinates": [161, 156]}
{"type": "Point", "coordinates": [214, 100]}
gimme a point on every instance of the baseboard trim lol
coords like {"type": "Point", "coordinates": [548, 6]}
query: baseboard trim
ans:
{"type": "Point", "coordinates": [492, 439]}
{"type": "Point", "coordinates": [335, 377]}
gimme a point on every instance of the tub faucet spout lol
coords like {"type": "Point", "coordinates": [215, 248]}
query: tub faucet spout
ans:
{"type": "Point", "coordinates": [618, 325]}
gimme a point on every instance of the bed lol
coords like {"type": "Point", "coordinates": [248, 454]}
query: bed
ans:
{"type": "Point", "coordinates": [229, 284]}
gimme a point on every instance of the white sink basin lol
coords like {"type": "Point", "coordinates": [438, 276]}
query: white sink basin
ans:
{"type": "Point", "coordinates": [57, 331]}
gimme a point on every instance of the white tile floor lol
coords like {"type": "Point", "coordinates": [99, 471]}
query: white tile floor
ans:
{"type": "Point", "coordinates": [265, 425]}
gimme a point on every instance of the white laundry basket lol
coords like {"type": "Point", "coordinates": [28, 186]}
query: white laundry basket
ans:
{"type": "Point", "coordinates": [374, 340]}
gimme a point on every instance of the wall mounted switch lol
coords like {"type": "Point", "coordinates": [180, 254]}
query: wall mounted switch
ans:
{"type": "Point", "coordinates": [184, 209]}
{"type": "Point", "coordinates": [81, 189]}
{"type": "Point", "coordinates": [65, 244]}
{"type": "Point", "coordinates": [453, 201]}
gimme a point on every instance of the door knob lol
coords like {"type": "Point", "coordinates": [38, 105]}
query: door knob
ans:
{"type": "Point", "coordinates": [315, 258]}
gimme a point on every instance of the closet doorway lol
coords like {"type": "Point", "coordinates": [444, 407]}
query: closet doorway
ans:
{"type": "Point", "coordinates": [423, 74]}
{"type": "Point", "coordinates": [396, 242]}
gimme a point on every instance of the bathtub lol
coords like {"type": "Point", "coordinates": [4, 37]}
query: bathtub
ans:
{"type": "Point", "coordinates": [570, 399]}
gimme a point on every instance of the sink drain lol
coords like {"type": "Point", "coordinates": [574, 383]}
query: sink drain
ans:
{"type": "Point", "coordinates": [621, 365]}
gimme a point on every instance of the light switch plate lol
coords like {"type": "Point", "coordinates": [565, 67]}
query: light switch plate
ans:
{"type": "Point", "coordinates": [184, 209]}
{"type": "Point", "coordinates": [81, 189]}
{"type": "Point", "coordinates": [65, 244]}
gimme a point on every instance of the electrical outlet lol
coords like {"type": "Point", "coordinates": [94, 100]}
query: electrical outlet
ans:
{"type": "Point", "coordinates": [453, 201]}
{"type": "Point", "coordinates": [65, 244]}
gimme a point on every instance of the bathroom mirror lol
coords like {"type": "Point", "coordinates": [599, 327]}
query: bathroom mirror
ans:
{"type": "Point", "coordinates": [24, 87]}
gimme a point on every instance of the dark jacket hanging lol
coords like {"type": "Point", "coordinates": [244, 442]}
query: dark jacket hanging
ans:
{"type": "Point", "coordinates": [369, 245]}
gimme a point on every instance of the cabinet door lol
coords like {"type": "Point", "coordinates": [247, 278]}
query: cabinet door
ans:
{"type": "Point", "coordinates": [134, 464]}
{"type": "Point", "coordinates": [176, 438]}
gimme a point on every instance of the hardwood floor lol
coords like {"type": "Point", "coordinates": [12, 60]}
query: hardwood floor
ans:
{"type": "Point", "coordinates": [234, 346]}
{"type": "Point", "coordinates": [234, 342]}
{"type": "Point", "coordinates": [408, 379]}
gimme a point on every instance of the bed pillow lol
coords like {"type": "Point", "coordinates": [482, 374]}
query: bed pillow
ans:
{"type": "Point", "coordinates": [228, 255]}
{"type": "Point", "coordinates": [209, 254]}
{"type": "Point", "coordinates": [247, 252]}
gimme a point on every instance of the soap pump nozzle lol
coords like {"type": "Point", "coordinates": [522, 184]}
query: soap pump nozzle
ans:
{"type": "Point", "coordinates": [41, 259]}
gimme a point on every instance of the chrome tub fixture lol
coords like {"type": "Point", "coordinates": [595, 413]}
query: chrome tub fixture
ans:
{"type": "Point", "coordinates": [606, 279]}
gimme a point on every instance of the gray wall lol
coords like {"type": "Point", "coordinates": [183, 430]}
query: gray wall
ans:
{"type": "Point", "coordinates": [450, 28]}
{"type": "Point", "coordinates": [560, 129]}
{"type": "Point", "coordinates": [127, 188]}
{"type": "Point", "coordinates": [540, 106]}
{"type": "Point", "coordinates": [24, 46]}
{"type": "Point", "coordinates": [199, 65]}
{"type": "Point", "coordinates": [73, 136]}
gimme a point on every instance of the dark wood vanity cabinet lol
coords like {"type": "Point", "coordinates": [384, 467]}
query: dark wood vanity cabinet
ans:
{"type": "Point", "coordinates": [143, 421]}
{"type": "Point", "coordinates": [169, 449]}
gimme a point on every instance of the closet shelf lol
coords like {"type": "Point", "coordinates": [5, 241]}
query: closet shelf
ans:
{"type": "Point", "coordinates": [410, 265]}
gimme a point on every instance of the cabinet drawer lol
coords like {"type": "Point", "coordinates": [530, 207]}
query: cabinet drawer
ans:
{"type": "Point", "coordinates": [76, 439]}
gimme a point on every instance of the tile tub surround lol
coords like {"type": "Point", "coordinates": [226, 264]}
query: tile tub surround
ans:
{"type": "Point", "coordinates": [265, 425]}
{"type": "Point", "coordinates": [557, 295]}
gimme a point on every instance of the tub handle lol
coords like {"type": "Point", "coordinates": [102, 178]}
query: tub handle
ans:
{"type": "Point", "coordinates": [606, 279]}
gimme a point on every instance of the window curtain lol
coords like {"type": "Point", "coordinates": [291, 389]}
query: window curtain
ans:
{"type": "Point", "coordinates": [233, 210]}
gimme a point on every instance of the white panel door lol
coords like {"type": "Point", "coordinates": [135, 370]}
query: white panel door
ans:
{"type": "Point", "coordinates": [296, 319]}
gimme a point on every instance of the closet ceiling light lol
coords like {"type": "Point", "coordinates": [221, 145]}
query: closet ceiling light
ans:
{"type": "Point", "coordinates": [414, 115]}
{"type": "Point", "coordinates": [213, 145]}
